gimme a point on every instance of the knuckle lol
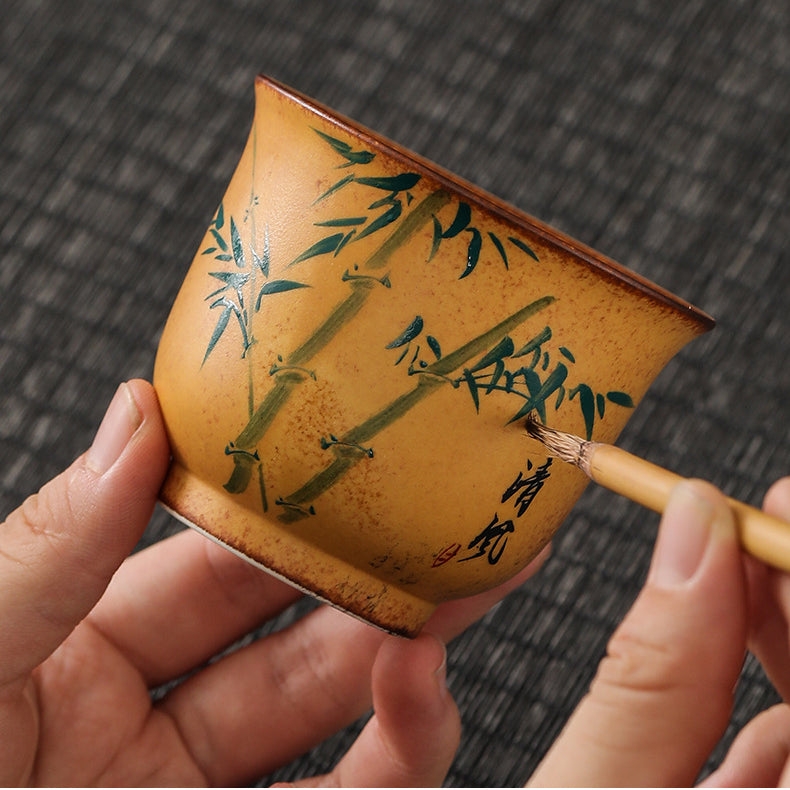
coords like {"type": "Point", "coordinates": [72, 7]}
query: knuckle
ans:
{"type": "Point", "coordinates": [44, 514]}
{"type": "Point", "coordinates": [236, 580]}
{"type": "Point", "coordinates": [44, 535]}
{"type": "Point", "coordinates": [639, 663]}
{"type": "Point", "coordinates": [320, 676]}
{"type": "Point", "coordinates": [316, 678]}
{"type": "Point", "coordinates": [652, 675]}
{"type": "Point", "coordinates": [29, 529]}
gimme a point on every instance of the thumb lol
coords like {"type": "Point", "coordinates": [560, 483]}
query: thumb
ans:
{"type": "Point", "coordinates": [415, 730]}
{"type": "Point", "coordinates": [663, 695]}
{"type": "Point", "coordinates": [413, 736]}
{"type": "Point", "coordinates": [59, 550]}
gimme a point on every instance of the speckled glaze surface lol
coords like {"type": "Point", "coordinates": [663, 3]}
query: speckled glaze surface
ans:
{"type": "Point", "coordinates": [345, 372]}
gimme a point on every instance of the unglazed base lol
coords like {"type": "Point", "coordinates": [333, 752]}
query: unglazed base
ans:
{"type": "Point", "coordinates": [304, 567]}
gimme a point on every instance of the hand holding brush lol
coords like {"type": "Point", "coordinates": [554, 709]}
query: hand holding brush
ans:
{"type": "Point", "coordinates": [763, 536]}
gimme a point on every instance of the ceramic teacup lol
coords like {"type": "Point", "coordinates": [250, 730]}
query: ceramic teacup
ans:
{"type": "Point", "coordinates": [346, 370]}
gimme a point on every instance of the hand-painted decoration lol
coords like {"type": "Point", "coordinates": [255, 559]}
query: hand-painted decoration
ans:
{"type": "Point", "coordinates": [526, 373]}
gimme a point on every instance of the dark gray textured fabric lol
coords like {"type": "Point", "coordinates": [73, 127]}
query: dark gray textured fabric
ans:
{"type": "Point", "coordinates": [658, 133]}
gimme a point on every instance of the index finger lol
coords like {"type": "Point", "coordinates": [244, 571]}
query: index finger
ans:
{"type": "Point", "coordinates": [176, 604]}
{"type": "Point", "coordinates": [59, 550]}
{"type": "Point", "coordinates": [769, 602]}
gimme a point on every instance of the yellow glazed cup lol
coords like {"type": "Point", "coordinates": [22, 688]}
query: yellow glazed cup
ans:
{"type": "Point", "coordinates": [346, 370]}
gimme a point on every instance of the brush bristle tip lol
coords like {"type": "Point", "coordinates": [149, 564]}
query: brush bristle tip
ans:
{"type": "Point", "coordinates": [561, 445]}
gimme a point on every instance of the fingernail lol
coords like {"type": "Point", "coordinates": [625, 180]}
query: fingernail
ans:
{"type": "Point", "coordinates": [683, 537]}
{"type": "Point", "coordinates": [120, 421]}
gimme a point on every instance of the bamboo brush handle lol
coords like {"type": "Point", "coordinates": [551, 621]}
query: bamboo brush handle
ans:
{"type": "Point", "coordinates": [763, 536]}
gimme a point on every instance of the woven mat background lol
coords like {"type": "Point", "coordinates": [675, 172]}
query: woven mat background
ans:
{"type": "Point", "coordinates": [658, 133]}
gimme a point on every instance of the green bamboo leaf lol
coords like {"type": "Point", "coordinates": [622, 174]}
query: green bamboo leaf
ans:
{"type": "Point", "coordinates": [235, 242]}
{"type": "Point", "coordinates": [472, 384]}
{"type": "Point", "coordinates": [339, 185]}
{"type": "Point", "coordinates": [208, 250]}
{"type": "Point", "coordinates": [402, 355]}
{"type": "Point", "coordinates": [621, 399]}
{"type": "Point", "coordinates": [534, 402]}
{"type": "Point", "coordinates": [499, 370]}
{"type": "Point", "coordinates": [266, 253]}
{"type": "Point", "coordinates": [533, 382]}
{"type": "Point", "coordinates": [462, 218]}
{"type": "Point", "coordinates": [533, 345]}
{"type": "Point", "coordinates": [504, 348]}
{"type": "Point", "coordinates": [277, 287]}
{"type": "Point", "coordinates": [600, 402]}
{"type": "Point", "coordinates": [237, 311]}
{"type": "Point", "coordinates": [389, 200]}
{"type": "Point", "coordinates": [499, 247]}
{"type": "Point", "coordinates": [262, 263]}
{"type": "Point", "coordinates": [524, 247]}
{"type": "Point", "coordinates": [339, 146]}
{"type": "Point", "coordinates": [322, 247]}
{"type": "Point", "coordinates": [387, 218]}
{"type": "Point", "coordinates": [433, 344]}
{"type": "Point", "coordinates": [221, 243]}
{"type": "Point", "coordinates": [472, 252]}
{"type": "Point", "coordinates": [258, 261]}
{"type": "Point", "coordinates": [390, 183]}
{"type": "Point", "coordinates": [587, 403]}
{"type": "Point", "coordinates": [235, 280]}
{"type": "Point", "coordinates": [408, 334]}
{"type": "Point", "coordinates": [437, 237]}
{"type": "Point", "coordinates": [560, 397]}
{"type": "Point", "coordinates": [217, 333]}
{"type": "Point", "coordinates": [361, 157]}
{"type": "Point", "coordinates": [226, 256]}
{"type": "Point", "coordinates": [220, 219]}
{"type": "Point", "coordinates": [341, 223]}
{"type": "Point", "coordinates": [345, 240]}
{"type": "Point", "coordinates": [539, 391]}
{"type": "Point", "coordinates": [567, 354]}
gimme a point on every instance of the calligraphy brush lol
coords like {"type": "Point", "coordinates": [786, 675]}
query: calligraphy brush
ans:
{"type": "Point", "coordinates": [763, 536]}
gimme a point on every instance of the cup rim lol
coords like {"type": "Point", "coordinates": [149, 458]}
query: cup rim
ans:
{"type": "Point", "coordinates": [496, 206]}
